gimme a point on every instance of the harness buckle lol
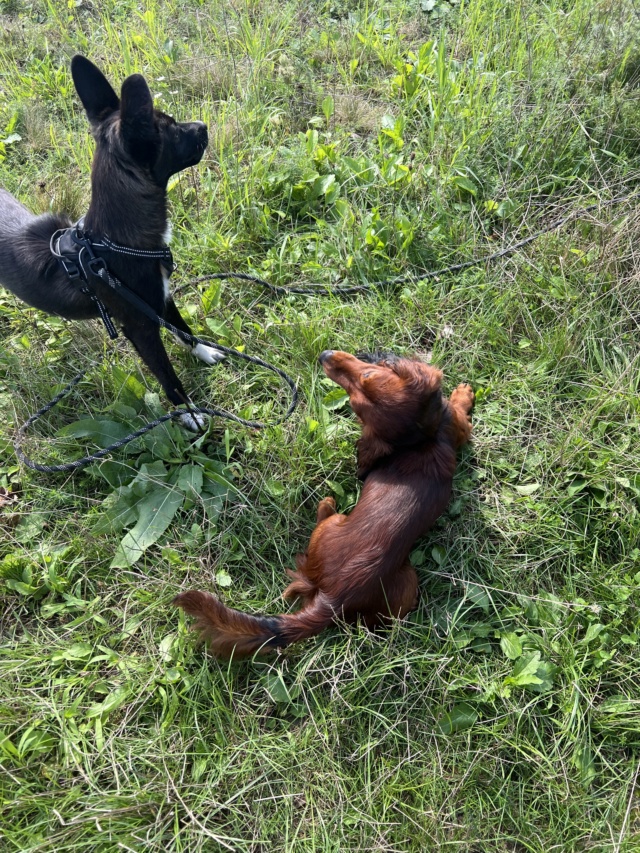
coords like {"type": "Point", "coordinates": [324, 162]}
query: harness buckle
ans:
{"type": "Point", "coordinates": [70, 268]}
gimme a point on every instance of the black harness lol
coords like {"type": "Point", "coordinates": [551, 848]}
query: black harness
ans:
{"type": "Point", "coordinates": [84, 259]}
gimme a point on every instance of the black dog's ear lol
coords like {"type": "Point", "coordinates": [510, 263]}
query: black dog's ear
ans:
{"type": "Point", "coordinates": [94, 90]}
{"type": "Point", "coordinates": [136, 112]}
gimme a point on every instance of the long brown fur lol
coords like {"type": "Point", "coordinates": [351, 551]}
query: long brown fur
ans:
{"type": "Point", "coordinates": [357, 565]}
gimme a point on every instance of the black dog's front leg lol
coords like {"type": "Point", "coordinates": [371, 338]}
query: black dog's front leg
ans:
{"type": "Point", "coordinates": [148, 343]}
{"type": "Point", "coordinates": [201, 351]}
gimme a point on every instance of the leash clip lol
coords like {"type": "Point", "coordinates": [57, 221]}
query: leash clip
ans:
{"type": "Point", "coordinates": [97, 266]}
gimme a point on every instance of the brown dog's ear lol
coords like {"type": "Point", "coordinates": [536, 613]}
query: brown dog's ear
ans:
{"type": "Point", "coordinates": [430, 380]}
{"type": "Point", "coordinates": [370, 449]}
{"type": "Point", "coordinates": [94, 90]}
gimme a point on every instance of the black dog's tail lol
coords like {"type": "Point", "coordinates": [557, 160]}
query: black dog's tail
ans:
{"type": "Point", "coordinates": [229, 632]}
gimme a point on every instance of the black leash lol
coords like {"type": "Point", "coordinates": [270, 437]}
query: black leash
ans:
{"type": "Point", "coordinates": [418, 275]}
{"type": "Point", "coordinates": [90, 264]}
{"type": "Point", "coordinates": [94, 457]}
{"type": "Point", "coordinates": [176, 413]}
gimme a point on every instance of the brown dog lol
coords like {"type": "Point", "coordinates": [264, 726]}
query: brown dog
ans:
{"type": "Point", "coordinates": [357, 565]}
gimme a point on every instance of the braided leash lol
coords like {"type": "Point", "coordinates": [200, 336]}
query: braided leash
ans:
{"type": "Point", "coordinates": [419, 275]}
{"type": "Point", "coordinates": [176, 413]}
{"type": "Point", "coordinates": [94, 457]}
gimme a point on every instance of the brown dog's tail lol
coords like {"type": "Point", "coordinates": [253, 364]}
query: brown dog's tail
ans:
{"type": "Point", "coordinates": [229, 632]}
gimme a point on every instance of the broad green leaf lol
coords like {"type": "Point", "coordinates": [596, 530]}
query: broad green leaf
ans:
{"type": "Point", "coordinates": [576, 487]}
{"type": "Point", "coordinates": [172, 675]}
{"type": "Point", "coordinates": [152, 402]}
{"type": "Point", "coordinates": [278, 690]}
{"type": "Point", "coordinates": [211, 297]}
{"type": "Point", "coordinates": [335, 399]}
{"type": "Point", "coordinates": [584, 762]}
{"type": "Point", "coordinates": [36, 741]}
{"type": "Point", "coordinates": [118, 511]}
{"type": "Point", "coordinates": [479, 596]}
{"type": "Point", "coordinates": [545, 673]}
{"type": "Point", "coordinates": [22, 588]}
{"type": "Point", "coordinates": [223, 578]}
{"type": "Point", "coordinates": [190, 480]}
{"type": "Point", "coordinates": [532, 673]}
{"type": "Point", "coordinates": [461, 639]}
{"type": "Point", "coordinates": [152, 471]}
{"type": "Point", "coordinates": [155, 513]}
{"type": "Point", "coordinates": [525, 671]}
{"type": "Point", "coordinates": [7, 748]}
{"type": "Point", "coordinates": [116, 473]}
{"type": "Point", "coordinates": [327, 107]}
{"type": "Point", "coordinates": [103, 432]}
{"type": "Point", "coordinates": [275, 487]}
{"type": "Point", "coordinates": [438, 554]}
{"type": "Point", "coordinates": [619, 706]}
{"type": "Point", "coordinates": [166, 647]}
{"type": "Point", "coordinates": [592, 632]}
{"type": "Point", "coordinates": [77, 651]}
{"type": "Point", "coordinates": [528, 488]}
{"type": "Point", "coordinates": [336, 488]}
{"type": "Point", "coordinates": [212, 505]}
{"type": "Point", "coordinates": [321, 185]}
{"type": "Point", "coordinates": [219, 329]}
{"type": "Point", "coordinates": [481, 645]}
{"type": "Point", "coordinates": [113, 701]}
{"type": "Point", "coordinates": [465, 184]}
{"type": "Point", "coordinates": [418, 558]}
{"type": "Point", "coordinates": [511, 645]}
{"type": "Point", "coordinates": [506, 208]}
{"type": "Point", "coordinates": [158, 443]}
{"type": "Point", "coordinates": [462, 716]}
{"type": "Point", "coordinates": [215, 484]}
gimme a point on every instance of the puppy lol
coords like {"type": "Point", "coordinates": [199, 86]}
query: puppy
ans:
{"type": "Point", "coordinates": [357, 565]}
{"type": "Point", "coordinates": [138, 149]}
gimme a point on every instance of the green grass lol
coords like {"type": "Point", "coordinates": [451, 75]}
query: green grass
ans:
{"type": "Point", "coordinates": [350, 142]}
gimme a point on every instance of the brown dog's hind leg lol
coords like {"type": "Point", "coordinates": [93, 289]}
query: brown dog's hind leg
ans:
{"type": "Point", "coordinates": [301, 585]}
{"type": "Point", "coordinates": [398, 598]}
{"type": "Point", "coordinates": [461, 403]}
{"type": "Point", "coordinates": [402, 596]}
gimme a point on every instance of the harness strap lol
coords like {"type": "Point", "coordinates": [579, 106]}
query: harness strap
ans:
{"type": "Point", "coordinates": [80, 258]}
{"type": "Point", "coordinates": [78, 264]}
{"type": "Point", "coordinates": [163, 255]}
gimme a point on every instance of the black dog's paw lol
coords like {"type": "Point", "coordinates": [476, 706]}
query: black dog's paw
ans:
{"type": "Point", "coordinates": [193, 422]}
{"type": "Point", "coordinates": [207, 354]}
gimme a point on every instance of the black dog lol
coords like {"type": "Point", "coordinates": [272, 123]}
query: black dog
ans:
{"type": "Point", "coordinates": [137, 150]}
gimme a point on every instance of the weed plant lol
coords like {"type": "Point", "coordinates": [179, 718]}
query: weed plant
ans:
{"type": "Point", "coordinates": [350, 142]}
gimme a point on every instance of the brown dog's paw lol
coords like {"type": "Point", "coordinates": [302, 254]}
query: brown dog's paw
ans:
{"type": "Point", "coordinates": [463, 396]}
